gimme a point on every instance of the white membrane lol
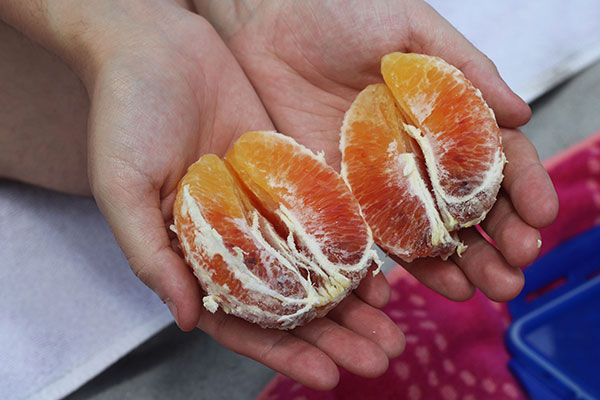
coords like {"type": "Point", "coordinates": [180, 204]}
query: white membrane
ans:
{"type": "Point", "coordinates": [275, 248]}
{"type": "Point", "coordinates": [490, 179]}
{"type": "Point", "coordinates": [439, 234]}
{"type": "Point", "coordinates": [403, 168]}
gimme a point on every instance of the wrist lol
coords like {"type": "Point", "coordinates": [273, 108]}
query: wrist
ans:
{"type": "Point", "coordinates": [55, 24]}
{"type": "Point", "coordinates": [87, 36]}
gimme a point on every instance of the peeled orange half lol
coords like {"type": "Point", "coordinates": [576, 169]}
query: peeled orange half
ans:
{"type": "Point", "coordinates": [273, 234]}
{"type": "Point", "coordinates": [423, 155]}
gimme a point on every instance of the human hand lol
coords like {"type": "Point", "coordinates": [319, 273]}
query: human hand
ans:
{"type": "Point", "coordinates": [308, 60]}
{"type": "Point", "coordinates": [156, 111]}
{"type": "Point", "coordinates": [164, 89]}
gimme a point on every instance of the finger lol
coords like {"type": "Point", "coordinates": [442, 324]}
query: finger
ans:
{"type": "Point", "coordinates": [374, 290]}
{"type": "Point", "coordinates": [518, 242]}
{"type": "Point", "coordinates": [276, 349]}
{"type": "Point", "coordinates": [527, 182]}
{"type": "Point", "coordinates": [138, 225]}
{"type": "Point", "coordinates": [487, 269]}
{"type": "Point", "coordinates": [371, 323]}
{"type": "Point", "coordinates": [443, 277]}
{"type": "Point", "coordinates": [432, 34]}
{"type": "Point", "coordinates": [347, 349]}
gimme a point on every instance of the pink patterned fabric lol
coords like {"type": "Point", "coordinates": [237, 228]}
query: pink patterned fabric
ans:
{"type": "Point", "coordinates": [576, 176]}
{"type": "Point", "coordinates": [455, 351]}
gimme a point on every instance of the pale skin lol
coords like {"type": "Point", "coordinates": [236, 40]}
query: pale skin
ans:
{"type": "Point", "coordinates": [163, 82]}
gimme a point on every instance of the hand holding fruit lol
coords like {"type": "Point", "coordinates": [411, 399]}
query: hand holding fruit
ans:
{"type": "Point", "coordinates": [165, 89]}
{"type": "Point", "coordinates": [308, 61]}
{"type": "Point", "coordinates": [156, 110]}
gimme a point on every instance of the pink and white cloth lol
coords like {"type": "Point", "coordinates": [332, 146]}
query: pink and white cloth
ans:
{"type": "Point", "coordinates": [455, 351]}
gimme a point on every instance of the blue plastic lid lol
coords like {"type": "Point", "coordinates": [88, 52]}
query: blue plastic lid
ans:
{"type": "Point", "coordinates": [555, 336]}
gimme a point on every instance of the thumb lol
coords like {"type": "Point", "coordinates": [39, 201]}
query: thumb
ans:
{"type": "Point", "coordinates": [132, 208]}
{"type": "Point", "coordinates": [432, 34]}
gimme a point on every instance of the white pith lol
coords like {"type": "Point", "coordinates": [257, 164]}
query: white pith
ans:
{"type": "Point", "coordinates": [274, 248]}
{"type": "Point", "coordinates": [439, 233]}
{"type": "Point", "coordinates": [402, 168]}
{"type": "Point", "coordinates": [405, 163]}
{"type": "Point", "coordinates": [419, 106]}
{"type": "Point", "coordinates": [491, 179]}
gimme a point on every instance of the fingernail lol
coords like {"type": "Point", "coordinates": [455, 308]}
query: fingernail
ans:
{"type": "Point", "coordinates": [173, 308]}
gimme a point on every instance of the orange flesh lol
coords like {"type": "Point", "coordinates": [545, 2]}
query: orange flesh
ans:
{"type": "Point", "coordinates": [225, 205]}
{"type": "Point", "coordinates": [454, 119]}
{"type": "Point", "coordinates": [271, 207]}
{"type": "Point", "coordinates": [422, 154]}
{"type": "Point", "coordinates": [373, 143]}
{"type": "Point", "coordinates": [315, 195]}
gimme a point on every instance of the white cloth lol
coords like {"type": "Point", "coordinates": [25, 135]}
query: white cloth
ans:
{"type": "Point", "coordinates": [70, 305]}
{"type": "Point", "coordinates": [535, 44]}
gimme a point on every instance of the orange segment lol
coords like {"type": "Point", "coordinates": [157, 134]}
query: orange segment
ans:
{"type": "Point", "coordinates": [456, 131]}
{"type": "Point", "coordinates": [291, 182]}
{"type": "Point", "coordinates": [209, 196]}
{"type": "Point", "coordinates": [263, 239]}
{"type": "Point", "coordinates": [385, 170]}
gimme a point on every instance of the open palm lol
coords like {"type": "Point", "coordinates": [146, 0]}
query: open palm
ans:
{"type": "Point", "coordinates": [156, 107]}
{"type": "Point", "coordinates": [308, 60]}
{"type": "Point", "coordinates": [153, 113]}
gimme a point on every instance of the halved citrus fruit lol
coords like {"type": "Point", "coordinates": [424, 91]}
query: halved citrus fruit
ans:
{"type": "Point", "coordinates": [272, 233]}
{"type": "Point", "coordinates": [386, 171]}
{"type": "Point", "coordinates": [456, 130]}
{"type": "Point", "coordinates": [422, 154]}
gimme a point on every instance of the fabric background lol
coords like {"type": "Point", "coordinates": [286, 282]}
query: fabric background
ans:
{"type": "Point", "coordinates": [456, 350]}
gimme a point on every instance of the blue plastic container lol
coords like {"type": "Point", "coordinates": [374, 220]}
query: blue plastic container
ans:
{"type": "Point", "coordinates": [555, 336]}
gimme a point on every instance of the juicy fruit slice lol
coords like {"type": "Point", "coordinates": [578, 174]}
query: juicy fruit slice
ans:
{"type": "Point", "coordinates": [456, 130]}
{"type": "Point", "coordinates": [272, 233]}
{"type": "Point", "coordinates": [300, 191]}
{"type": "Point", "coordinates": [384, 168]}
{"type": "Point", "coordinates": [423, 156]}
